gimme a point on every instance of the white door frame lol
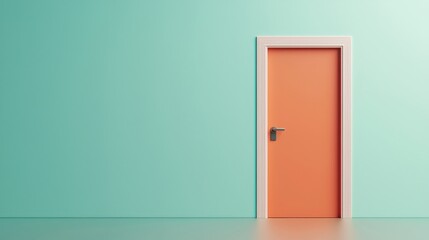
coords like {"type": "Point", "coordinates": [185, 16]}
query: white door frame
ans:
{"type": "Point", "coordinates": [343, 43]}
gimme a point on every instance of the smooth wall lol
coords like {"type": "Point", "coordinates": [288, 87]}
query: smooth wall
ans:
{"type": "Point", "coordinates": [147, 108]}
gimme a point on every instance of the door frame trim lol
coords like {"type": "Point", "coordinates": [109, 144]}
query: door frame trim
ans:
{"type": "Point", "coordinates": [341, 42]}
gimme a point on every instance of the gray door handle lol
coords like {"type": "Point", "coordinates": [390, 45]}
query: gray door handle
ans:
{"type": "Point", "coordinates": [273, 132]}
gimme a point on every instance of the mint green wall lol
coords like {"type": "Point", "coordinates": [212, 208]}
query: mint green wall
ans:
{"type": "Point", "coordinates": [147, 108]}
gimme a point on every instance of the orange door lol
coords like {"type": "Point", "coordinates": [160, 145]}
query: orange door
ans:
{"type": "Point", "coordinates": [304, 161]}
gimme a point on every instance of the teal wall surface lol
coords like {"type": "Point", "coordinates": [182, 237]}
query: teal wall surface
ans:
{"type": "Point", "coordinates": [147, 108]}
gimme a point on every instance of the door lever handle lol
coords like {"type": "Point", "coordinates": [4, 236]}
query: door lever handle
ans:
{"type": "Point", "coordinates": [273, 132]}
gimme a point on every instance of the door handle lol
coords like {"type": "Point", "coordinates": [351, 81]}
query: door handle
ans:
{"type": "Point", "coordinates": [273, 132]}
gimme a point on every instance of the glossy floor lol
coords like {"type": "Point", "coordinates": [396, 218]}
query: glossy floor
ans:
{"type": "Point", "coordinates": [193, 228]}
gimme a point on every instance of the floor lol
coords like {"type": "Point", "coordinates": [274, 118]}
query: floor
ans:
{"type": "Point", "coordinates": [207, 228]}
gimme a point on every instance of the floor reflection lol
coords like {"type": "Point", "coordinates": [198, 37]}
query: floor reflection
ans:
{"type": "Point", "coordinates": [304, 228]}
{"type": "Point", "coordinates": [206, 228]}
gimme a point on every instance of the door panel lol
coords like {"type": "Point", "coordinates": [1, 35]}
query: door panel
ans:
{"type": "Point", "coordinates": [304, 163]}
